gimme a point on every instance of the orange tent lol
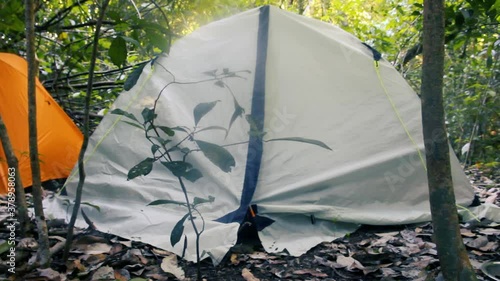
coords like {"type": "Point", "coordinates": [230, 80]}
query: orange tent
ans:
{"type": "Point", "coordinates": [59, 140]}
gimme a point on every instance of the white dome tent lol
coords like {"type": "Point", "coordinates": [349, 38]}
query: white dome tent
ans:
{"type": "Point", "coordinates": [294, 77]}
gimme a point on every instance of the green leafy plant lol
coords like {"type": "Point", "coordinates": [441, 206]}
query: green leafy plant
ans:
{"type": "Point", "coordinates": [174, 155]}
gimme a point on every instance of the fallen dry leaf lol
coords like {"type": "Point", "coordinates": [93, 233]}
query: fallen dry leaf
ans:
{"type": "Point", "coordinates": [92, 249]}
{"type": "Point", "coordinates": [261, 256]}
{"type": "Point", "coordinates": [413, 274]}
{"type": "Point", "coordinates": [383, 240]}
{"type": "Point", "coordinates": [234, 259]}
{"type": "Point", "coordinates": [94, 259]}
{"type": "Point", "coordinates": [122, 275]}
{"type": "Point", "coordinates": [341, 248]}
{"type": "Point", "coordinates": [116, 248]}
{"type": "Point", "coordinates": [370, 269]}
{"type": "Point", "coordinates": [104, 273]}
{"type": "Point", "coordinates": [409, 235]}
{"type": "Point", "coordinates": [410, 249]}
{"type": "Point", "coordinates": [326, 262]}
{"type": "Point", "coordinates": [51, 274]}
{"type": "Point", "coordinates": [490, 231]}
{"type": "Point", "coordinates": [127, 244]}
{"type": "Point", "coordinates": [349, 263]}
{"type": "Point", "coordinates": [389, 272]}
{"type": "Point", "coordinates": [467, 233]}
{"type": "Point", "coordinates": [277, 272]}
{"type": "Point", "coordinates": [478, 242]}
{"type": "Point", "coordinates": [248, 276]}
{"type": "Point", "coordinates": [27, 243]}
{"type": "Point", "coordinates": [312, 272]}
{"type": "Point", "coordinates": [365, 242]}
{"type": "Point", "coordinates": [491, 199]}
{"type": "Point", "coordinates": [134, 256]}
{"type": "Point", "coordinates": [160, 252]}
{"type": "Point", "coordinates": [477, 253]}
{"type": "Point", "coordinates": [422, 262]}
{"type": "Point", "coordinates": [136, 269]}
{"type": "Point", "coordinates": [489, 247]}
{"type": "Point", "coordinates": [390, 234]}
{"type": "Point", "coordinates": [76, 264]}
{"type": "Point", "coordinates": [476, 264]}
{"type": "Point", "coordinates": [158, 277]}
{"type": "Point", "coordinates": [169, 265]}
{"type": "Point", "coordinates": [276, 261]}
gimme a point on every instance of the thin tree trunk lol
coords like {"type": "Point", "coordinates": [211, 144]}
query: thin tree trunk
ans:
{"type": "Point", "coordinates": [86, 132]}
{"type": "Point", "coordinates": [455, 264]}
{"type": "Point", "coordinates": [20, 197]}
{"type": "Point", "coordinates": [43, 254]}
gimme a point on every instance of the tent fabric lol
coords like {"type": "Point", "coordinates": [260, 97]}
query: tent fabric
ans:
{"type": "Point", "coordinates": [59, 140]}
{"type": "Point", "coordinates": [295, 77]}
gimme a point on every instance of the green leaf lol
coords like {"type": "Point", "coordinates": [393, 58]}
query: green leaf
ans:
{"type": "Point", "coordinates": [220, 83]}
{"type": "Point", "coordinates": [193, 175]}
{"type": "Point", "coordinates": [166, 201]}
{"type": "Point", "coordinates": [211, 73]}
{"type": "Point", "coordinates": [238, 112]}
{"type": "Point", "coordinates": [212, 128]}
{"type": "Point", "coordinates": [132, 41]}
{"type": "Point", "coordinates": [124, 113]}
{"type": "Point", "coordinates": [121, 27]}
{"type": "Point", "coordinates": [4, 247]}
{"type": "Point", "coordinates": [148, 114]}
{"type": "Point", "coordinates": [133, 124]}
{"type": "Point", "coordinates": [495, 6]}
{"type": "Point", "coordinates": [304, 140]}
{"type": "Point", "coordinates": [92, 205]}
{"type": "Point", "coordinates": [141, 169]}
{"type": "Point", "coordinates": [133, 77]}
{"type": "Point", "coordinates": [183, 169]}
{"type": "Point", "coordinates": [176, 234]}
{"type": "Point", "coordinates": [489, 58]}
{"type": "Point", "coordinates": [198, 200]}
{"type": "Point", "coordinates": [202, 109]}
{"type": "Point", "coordinates": [161, 140]}
{"type": "Point", "coordinates": [118, 51]}
{"type": "Point", "coordinates": [114, 15]}
{"type": "Point", "coordinates": [154, 148]}
{"type": "Point", "coordinates": [157, 39]}
{"type": "Point", "coordinates": [178, 168]}
{"type": "Point", "coordinates": [138, 279]}
{"type": "Point", "coordinates": [166, 130]}
{"type": "Point", "coordinates": [217, 155]}
{"type": "Point", "coordinates": [181, 129]}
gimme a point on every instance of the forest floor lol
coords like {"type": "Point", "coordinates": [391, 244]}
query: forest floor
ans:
{"type": "Point", "coordinates": [371, 253]}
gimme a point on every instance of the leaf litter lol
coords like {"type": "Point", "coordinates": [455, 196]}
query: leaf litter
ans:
{"type": "Point", "coordinates": [371, 253]}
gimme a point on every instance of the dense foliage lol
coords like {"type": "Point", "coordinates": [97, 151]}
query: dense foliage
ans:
{"type": "Point", "coordinates": [136, 31]}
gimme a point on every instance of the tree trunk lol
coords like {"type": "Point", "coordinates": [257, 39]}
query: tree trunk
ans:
{"type": "Point", "coordinates": [455, 264]}
{"type": "Point", "coordinates": [19, 195]}
{"type": "Point", "coordinates": [43, 254]}
{"type": "Point", "coordinates": [86, 132]}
